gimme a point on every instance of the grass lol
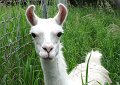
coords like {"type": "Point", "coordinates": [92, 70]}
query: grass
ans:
{"type": "Point", "coordinates": [86, 28]}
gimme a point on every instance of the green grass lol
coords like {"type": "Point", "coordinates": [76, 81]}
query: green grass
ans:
{"type": "Point", "coordinates": [86, 28]}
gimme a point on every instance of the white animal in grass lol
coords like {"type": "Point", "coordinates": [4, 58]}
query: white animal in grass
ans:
{"type": "Point", "coordinates": [46, 34]}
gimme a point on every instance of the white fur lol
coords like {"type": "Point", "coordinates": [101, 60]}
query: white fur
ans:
{"type": "Point", "coordinates": [49, 49]}
{"type": "Point", "coordinates": [96, 72]}
{"type": "Point", "coordinates": [95, 57]}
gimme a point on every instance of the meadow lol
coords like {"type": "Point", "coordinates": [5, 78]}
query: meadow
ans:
{"type": "Point", "coordinates": [87, 28]}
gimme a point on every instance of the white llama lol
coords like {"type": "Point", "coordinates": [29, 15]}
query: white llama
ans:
{"type": "Point", "coordinates": [46, 34]}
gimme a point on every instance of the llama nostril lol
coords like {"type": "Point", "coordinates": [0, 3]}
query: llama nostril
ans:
{"type": "Point", "coordinates": [51, 49]}
{"type": "Point", "coordinates": [44, 48]}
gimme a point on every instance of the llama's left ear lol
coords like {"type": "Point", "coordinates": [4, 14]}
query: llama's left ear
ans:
{"type": "Point", "coordinates": [61, 15]}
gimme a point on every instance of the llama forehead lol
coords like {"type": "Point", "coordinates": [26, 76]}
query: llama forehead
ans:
{"type": "Point", "coordinates": [46, 26]}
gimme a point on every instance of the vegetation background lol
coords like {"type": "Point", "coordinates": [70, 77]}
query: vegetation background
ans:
{"type": "Point", "coordinates": [92, 25]}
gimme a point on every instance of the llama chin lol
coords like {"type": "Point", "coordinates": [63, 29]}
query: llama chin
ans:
{"type": "Point", "coordinates": [46, 34]}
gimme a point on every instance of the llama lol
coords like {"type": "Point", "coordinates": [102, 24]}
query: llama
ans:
{"type": "Point", "coordinates": [46, 34]}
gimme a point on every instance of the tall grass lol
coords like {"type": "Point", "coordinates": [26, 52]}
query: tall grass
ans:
{"type": "Point", "coordinates": [86, 28]}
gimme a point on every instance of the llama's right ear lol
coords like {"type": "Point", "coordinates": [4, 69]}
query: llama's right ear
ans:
{"type": "Point", "coordinates": [31, 16]}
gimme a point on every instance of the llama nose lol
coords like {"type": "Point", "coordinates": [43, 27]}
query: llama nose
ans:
{"type": "Point", "coordinates": [48, 48]}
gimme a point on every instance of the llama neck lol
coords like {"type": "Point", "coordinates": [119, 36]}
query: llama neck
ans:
{"type": "Point", "coordinates": [55, 71]}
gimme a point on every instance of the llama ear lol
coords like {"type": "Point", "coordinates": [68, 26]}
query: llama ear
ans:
{"type": "Point", "coordinates": [31, 16]}
{"type": "Point", "coordinates": [61, 15]}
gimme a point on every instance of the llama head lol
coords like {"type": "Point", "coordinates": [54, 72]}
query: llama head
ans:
{"type": "Point", "coordinates": [46, 33]}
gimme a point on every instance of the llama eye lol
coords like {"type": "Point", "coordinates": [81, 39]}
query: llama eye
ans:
{"type": "Point", "coordinates": [59, 34]}
{"type": "Point", "coordinates": [33, 35]}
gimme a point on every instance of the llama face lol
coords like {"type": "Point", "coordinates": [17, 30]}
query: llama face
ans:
{"type": "Point", "coordinates": [46, 33]}
{"type": "Point", "coordinates": [46, 36]}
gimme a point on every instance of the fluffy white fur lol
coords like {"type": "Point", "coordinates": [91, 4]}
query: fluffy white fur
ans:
{"type": "Point", "coordinates": [46, 36]}
{"type": "Point", "coordinates": [96, 72]}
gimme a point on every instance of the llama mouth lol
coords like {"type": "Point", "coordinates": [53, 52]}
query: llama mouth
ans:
{"type": "Point", "coordinates": [47, 58]}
